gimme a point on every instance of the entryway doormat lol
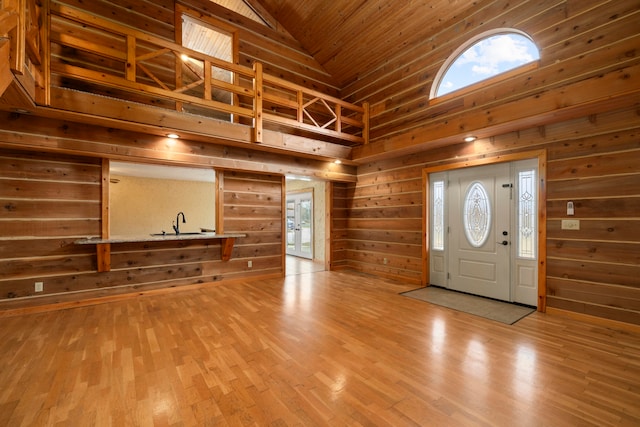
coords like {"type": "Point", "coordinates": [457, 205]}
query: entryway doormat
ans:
{"type": "Point", "coordinates": [499, 311]}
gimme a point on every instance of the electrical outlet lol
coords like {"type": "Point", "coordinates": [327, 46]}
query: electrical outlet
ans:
{"type": "Point", "coordinates": [250, 264]}
{"type": "Point", "coordinates": [385, 261]}
{"type": "Point", "coordinates": [570, 224]}
{"type": "Point", "coordinates": [39, 286]}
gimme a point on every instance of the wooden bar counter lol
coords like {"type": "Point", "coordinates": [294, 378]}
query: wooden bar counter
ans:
{"type": "Point", "coordinates": [103, 246]}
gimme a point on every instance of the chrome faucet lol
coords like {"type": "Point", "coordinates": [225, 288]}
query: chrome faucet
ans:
{"type": "Point", "coordinates": [176, 224]}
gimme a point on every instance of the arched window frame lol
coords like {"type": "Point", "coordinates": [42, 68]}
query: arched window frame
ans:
{"type": "Point", "coordinates": [442, 72]}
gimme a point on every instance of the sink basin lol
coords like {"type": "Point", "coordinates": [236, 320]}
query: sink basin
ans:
{"type": "Point", "coordinates": [189, 233]}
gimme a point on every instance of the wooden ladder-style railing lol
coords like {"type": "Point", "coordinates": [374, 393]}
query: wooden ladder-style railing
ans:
{"type": "Point", "coordinates": [9, 22]}
{"type": "Point", "coordinates": [257, 97]}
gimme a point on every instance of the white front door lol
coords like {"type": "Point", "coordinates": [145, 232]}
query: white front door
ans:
{"type": "Point", "coordinates": [479, 231]}
{"type": "Point", "coordinates": [483, 228]}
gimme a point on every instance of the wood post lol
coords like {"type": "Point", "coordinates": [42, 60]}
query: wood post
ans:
{"type": "Point", "coordinates": [103, 256]}
{"type": "Point", "coordinates": [365, 121]}
{"type": "Point", "coordinates": [257, 102]}
{"type": "Point", "coordinates": [226, 247]}
{"type": "Point", "coordinates": [103, 250]}
{"type": "Point", "coordinates": [207, 80]}
{"type": "Point", "coordinates": [300, 107]}
{"type": "Point", "coordinates": [130, 71]}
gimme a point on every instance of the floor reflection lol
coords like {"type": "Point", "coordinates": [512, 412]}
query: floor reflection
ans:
{"type": "Point", "coordinates": [524, 373]}
{"type": "Point", "coordinates": [297, 265]}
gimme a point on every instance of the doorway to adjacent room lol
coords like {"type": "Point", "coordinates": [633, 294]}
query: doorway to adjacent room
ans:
{"type": "Point", "coordinates": [300, 224]}
{"type": "Point", "coordinates": [305, 224]}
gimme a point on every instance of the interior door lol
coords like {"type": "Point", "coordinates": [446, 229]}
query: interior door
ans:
{"type": "Point", "coordinates": [479, 236]}
{"type": "Point", "coordinates": [300, 224]}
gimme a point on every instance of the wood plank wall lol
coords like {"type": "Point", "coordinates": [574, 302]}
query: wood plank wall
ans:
{"type": "Point", "coordinates": [594, 157]}
{"type": "Point", "coordinates": [578, 41]}
{"type": "Point", "coordinates": [593, 161]}
{"type": "Point", "coordinates": [377, 224]}
{"type": "Point", "coordinates": [253, 205]}
{"type": "Point", "coordinates": [49, 201]}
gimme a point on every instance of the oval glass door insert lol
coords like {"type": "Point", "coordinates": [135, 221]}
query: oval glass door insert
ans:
{"type": "Point", "coordinates": [477, 215]}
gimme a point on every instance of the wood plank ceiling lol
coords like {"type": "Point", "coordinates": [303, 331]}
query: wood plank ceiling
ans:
{"type": "Point", "coordinates": [349, 38]}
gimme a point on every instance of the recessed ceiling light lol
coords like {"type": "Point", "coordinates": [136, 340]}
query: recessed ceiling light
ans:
{"type": "Point", "coordinates": [337, 161]}
{"type": "Point", "coordinates": [173, 135]}
{"type": "Point", "coordinates": [470, 139]}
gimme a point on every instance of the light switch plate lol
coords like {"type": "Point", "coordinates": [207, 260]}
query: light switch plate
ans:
{"type": "Point", "coordinates": [571, 224]}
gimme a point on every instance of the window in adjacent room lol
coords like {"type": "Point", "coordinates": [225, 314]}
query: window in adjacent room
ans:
{"type": "Point", "coordinates": [483, 57]}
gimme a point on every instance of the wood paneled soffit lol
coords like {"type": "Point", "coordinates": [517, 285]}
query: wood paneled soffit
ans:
{"type": "Point", "coordinates": [96, 137]}
{"type": "Point", "coordinates": [617, 89]}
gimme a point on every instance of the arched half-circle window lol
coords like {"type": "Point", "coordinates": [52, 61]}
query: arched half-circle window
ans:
{"type": "Point", "coordinates": [482, 57]}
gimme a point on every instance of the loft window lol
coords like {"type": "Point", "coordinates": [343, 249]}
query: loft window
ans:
{"type": "Point", "coordinates": [207, 38]}
{"type": "Point", "coordinates": [243, 8]}
{"type": "Point", "coordinates": [483, 57]}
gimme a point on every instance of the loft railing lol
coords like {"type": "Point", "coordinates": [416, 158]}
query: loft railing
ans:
{"type": "Point", "coordinates": [121, 61]}
{"type": "Point", "coordinates": [8, 24]}
{"type": "Point", "coordinates": [20, 47]}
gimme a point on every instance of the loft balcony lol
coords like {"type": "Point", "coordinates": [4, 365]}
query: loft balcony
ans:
{"type": "Point", "coordinates": [59, 61]}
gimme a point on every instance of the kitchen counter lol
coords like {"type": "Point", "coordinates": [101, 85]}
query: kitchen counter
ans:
{"type": "Point", "coordinates": [156, 238]}
{"type": "Point", "coordinates": [103, 246]}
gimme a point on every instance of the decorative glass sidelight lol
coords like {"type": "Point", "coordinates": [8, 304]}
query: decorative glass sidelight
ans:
{"type": "Point", "coordinates": [438, 216]}
{"type": "Point", "coordinates": [527, 214]}
{"type": "Point", "coordinates": [476, 215]}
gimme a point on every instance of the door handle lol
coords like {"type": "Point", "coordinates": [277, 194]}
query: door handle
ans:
{"type": "Point", "coordinates": [503, 243]}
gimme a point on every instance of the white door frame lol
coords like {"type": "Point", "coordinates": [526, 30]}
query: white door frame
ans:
{"type": "Point", "coordinates": [541, 155]}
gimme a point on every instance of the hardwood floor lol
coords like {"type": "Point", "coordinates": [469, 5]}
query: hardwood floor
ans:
{"type": "Point", "coordinates": [298, 265]}
{"type": "Point", "coordinates": [328, 348]}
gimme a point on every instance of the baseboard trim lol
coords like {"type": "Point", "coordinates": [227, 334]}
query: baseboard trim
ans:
{"type": "Point", "coordinates": [587, 318]}
{"type": "Point", "coordinates": [84, 302]}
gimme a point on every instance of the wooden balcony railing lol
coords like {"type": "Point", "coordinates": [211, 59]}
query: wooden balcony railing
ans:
{"type": "Point", "coordinates": [131, 64]}
{"type": "Point", "coordinates": [8, 26]}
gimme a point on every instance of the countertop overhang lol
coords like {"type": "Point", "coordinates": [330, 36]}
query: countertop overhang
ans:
{"type": "Point", "coordinates": [156, 238]}
{"type": "Point", "coordinates": [103, 245]}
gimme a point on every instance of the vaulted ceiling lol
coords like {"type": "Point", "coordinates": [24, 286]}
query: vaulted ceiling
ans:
{"type": "Point", "coordinates": [351, 37]}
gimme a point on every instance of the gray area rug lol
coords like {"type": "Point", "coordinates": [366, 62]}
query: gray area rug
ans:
{"type": "Point", "coordinates": [484, 307]}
